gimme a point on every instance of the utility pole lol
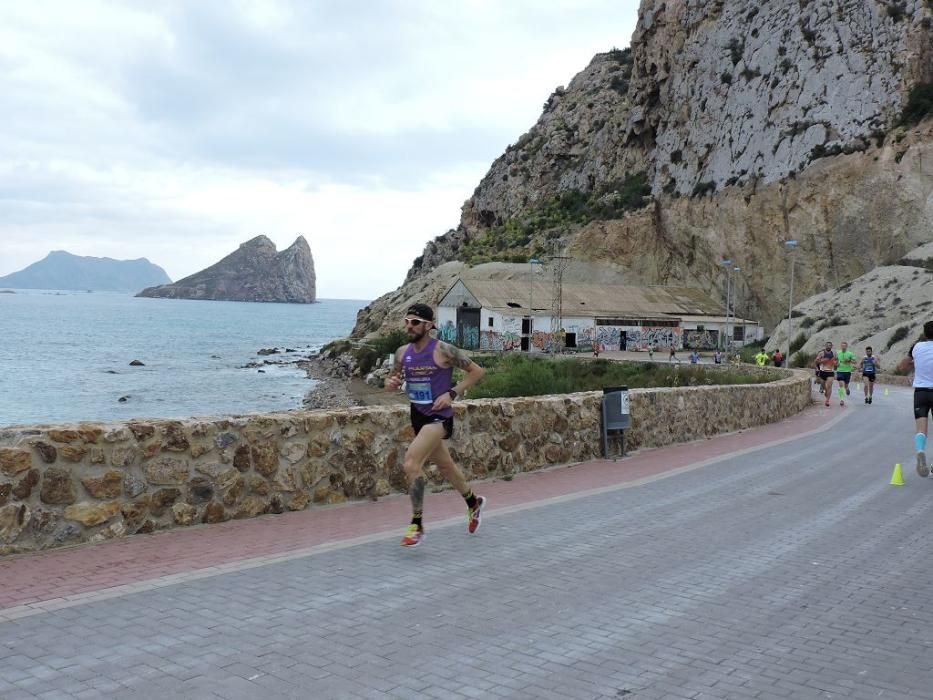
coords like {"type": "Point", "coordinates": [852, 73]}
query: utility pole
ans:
{"type": "Point", "coordinates": [790, 246]}
{"type": "Point", "coordinates": [727, 264]}
{"type": "Point", "coordinates": [531, 292]}
{"type": "Point", "coordinates": [560, 263]}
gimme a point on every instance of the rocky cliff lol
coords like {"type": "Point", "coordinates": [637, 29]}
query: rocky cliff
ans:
{"type": "Point", "coordinates": [728, 127]}
{"type": "Point", "coordinates": [254, 272]}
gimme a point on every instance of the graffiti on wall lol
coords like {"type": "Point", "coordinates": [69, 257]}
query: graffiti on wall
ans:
{"type": "Point", "coordinates": [467, 337]}
{"type": "Point", "coordinates": [659, 337]}
{"type": "Point", "coordinates": [508, 340]}
{"type": "Point", "coordinates": [701, 340]}
{"type": "Point", "coordinates": [447, 332]}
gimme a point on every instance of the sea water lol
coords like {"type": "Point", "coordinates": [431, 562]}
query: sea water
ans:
{"type": "Point", "coordinates": [65, 356]}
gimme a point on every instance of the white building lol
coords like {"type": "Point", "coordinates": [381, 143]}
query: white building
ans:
{"type": "Point", "coordinates": [517, 315]}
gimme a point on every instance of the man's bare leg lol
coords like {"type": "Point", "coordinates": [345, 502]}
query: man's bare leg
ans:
{"type": "Point", "coordinates": [425, 442]}
{"type": "Point", "coordinates": [920, 442]}
{"type": "Point", "coordinates": [441, 457]}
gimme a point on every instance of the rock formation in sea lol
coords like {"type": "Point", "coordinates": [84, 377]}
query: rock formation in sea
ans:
{"type": "Point", "coordinates": [254, 272]}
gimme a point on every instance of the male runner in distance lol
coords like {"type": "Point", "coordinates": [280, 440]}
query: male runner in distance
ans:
{"type": "Point", "coordinates": [826, 365]}
{"type": "Point", "coordinates": [869, 365]}
{"type": "Point", "coordinates": [426, 365]}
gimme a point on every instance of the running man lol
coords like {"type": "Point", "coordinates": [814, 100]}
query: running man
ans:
{"type": "Point", "coordinates": [426, 364]}
{"type": "Point", "coordinates": [920, 360]}
{"type": "Point", "coordinates": [869, 367]}
{"type": "Point", "coordinates": [845, 362]}
{"type": "Point", "coordinates": [825, 364]}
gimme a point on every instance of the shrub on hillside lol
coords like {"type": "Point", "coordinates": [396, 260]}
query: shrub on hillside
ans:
{"type": "Point", "coordinates": [797, 343]}
{"type": "Point", "coordinates": [802, 359]}
{"type": "Point", "coordinates": [897, 336]}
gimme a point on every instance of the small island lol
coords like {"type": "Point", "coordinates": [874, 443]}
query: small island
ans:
{"type": "Point", "coordinates": [256, 271]}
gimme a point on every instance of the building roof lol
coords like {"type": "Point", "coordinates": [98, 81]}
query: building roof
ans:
{"type": "Point", "coordinates": [597, 300]}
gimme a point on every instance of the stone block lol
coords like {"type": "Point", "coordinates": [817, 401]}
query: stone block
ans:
{"type": "Point", "coordinates": [14, 460]}
{"type": "Point", "coordinates": [123, 456]}
{"type": "Point", "coordinates": [23, 489]}
{"type": "Point", "coordinates": [57, 487]}
{"type": "Point", "coordinates": [13, 520]}
{"type": "Point", "coordinates": [64, 435]}
{"type": "Point", "coordinates": [47, 452]}
{"type": "Point", "coordinates": [107, 485]}
{"type": "Point", "coordinates": [89, 513]}
{"type": "Point", "coordinates": [72, 453]}
{"type": "Point", "coordinates": [184, 514]}
{"type": "Point", "coordinates": [166, 470]}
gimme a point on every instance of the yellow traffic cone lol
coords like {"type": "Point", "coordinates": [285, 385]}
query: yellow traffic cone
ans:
{"type": "Point", "coordinates": [897, 478]}
{"type": "Point", "coordinates": [885, 391]}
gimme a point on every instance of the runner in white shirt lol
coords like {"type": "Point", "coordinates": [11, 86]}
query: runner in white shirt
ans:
{"type": "Point", "coordinates": [920, 359]}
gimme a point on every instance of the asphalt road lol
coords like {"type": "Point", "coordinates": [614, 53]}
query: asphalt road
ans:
{"type": "Point", "coordinates": [793, 571]}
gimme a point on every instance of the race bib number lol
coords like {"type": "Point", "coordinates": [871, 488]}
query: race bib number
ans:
{"type": "Point", "coordinates": [420, 392]}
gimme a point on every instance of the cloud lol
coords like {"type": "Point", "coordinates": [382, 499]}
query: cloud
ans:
{"type": "Point", "coordinates": [135, 129]}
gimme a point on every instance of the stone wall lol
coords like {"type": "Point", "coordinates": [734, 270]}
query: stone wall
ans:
{"type": "Point", "coordinates": [90, 482]}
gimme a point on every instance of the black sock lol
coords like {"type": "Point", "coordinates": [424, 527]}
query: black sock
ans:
{"type": "Point", "coordinates": [416, 520]}
{"type": "Point", "coordinates": [470, 499]}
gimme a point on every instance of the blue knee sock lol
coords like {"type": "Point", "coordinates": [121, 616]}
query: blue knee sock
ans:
{"type": "Point", "coordinates": [920, 442]}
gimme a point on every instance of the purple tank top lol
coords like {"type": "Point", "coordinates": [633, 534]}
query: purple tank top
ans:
{"type": "Point", "coordinates": [424, 380]}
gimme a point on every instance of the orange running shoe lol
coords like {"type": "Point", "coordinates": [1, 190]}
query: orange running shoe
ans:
{"type": "Point", "coordinates": [475, 515]}
{"type": "Point", "coordinates": [413, 536]}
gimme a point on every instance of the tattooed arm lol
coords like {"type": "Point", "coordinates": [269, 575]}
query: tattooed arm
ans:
{"type": "Point", "coordinates": [452, 356]}
{"type": "Point", "coordinates": [395, 378]}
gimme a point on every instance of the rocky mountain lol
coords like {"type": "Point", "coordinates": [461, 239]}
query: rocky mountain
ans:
{"type": "Point", "coordinates": [62, 270]}
{"type": "Point", "coordinates": [885, 308]}
{"type": "Point", "coordinates": [727, 128]}
{"type": "Point", "coordinates": [254, 272]}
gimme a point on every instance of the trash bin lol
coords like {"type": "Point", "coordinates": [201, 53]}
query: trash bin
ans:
{"type": "Point", "coordinates": [616, 417]}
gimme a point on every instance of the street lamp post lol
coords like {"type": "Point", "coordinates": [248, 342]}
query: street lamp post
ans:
{"type": "Point", "coordinates": [531, 291]}
{"type": "Point", "coordinates": [735, 296]}
{"type": "Point", "coordinates": [728, 265]}
{"type": "Point", "coordinates": [791, 246]}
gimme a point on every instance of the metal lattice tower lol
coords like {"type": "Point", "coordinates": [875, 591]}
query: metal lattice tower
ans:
{"type": "Point", "coordinates": [559, 265]}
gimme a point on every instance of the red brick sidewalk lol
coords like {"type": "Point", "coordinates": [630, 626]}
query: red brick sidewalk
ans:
{"type": "Point", "coordinates": [54, 574]}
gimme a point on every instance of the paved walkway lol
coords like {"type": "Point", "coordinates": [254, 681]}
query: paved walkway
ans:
{"type": "Point", "coordinates": [775, 563]}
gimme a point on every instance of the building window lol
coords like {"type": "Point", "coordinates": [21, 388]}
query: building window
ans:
{"type": "Point", "coordinates": [490, 321]}
{"type": "Point", "coordinates": [738, 333]}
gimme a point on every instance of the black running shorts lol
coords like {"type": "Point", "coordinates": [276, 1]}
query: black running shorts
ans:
{"type": "Point", "coordinates": [923, 402]}
{"type": "Point", "coordinates": [843, 376]}
{"type": "Point", "coordinates": [869, 376]}
{"type": "Point", "coordinates": [824, 375]}
{"type": "Point", "coordinates": [419, 420]}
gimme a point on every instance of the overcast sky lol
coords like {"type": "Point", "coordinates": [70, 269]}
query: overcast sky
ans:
{"type": "Point", "coordinates": [175, 131]}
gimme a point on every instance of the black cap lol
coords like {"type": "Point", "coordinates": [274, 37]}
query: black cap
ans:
{"type": "Point", "coordinates": [422, 311]}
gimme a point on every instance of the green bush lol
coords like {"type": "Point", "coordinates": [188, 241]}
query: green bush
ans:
{"type": "Point", "coordinates": [919, 104]}
{"type": "Point", "coordinates": [897, 336]}
{"type": "Point", "coordinates": [514, 239]}
{"type": "Point", "coordinates": [797, 343]}
{"type": "Point", "coordinates": [513, 375]}
{"type": "Point", "coordinates": [369, 353]}
{"type": "Point", "coordinates": [802, 359]}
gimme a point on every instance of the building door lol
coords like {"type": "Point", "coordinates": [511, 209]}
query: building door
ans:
{"type": "Point", "coordinates": [468, 328]}
{"type": "Point", "coordinates": [623, 339]}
